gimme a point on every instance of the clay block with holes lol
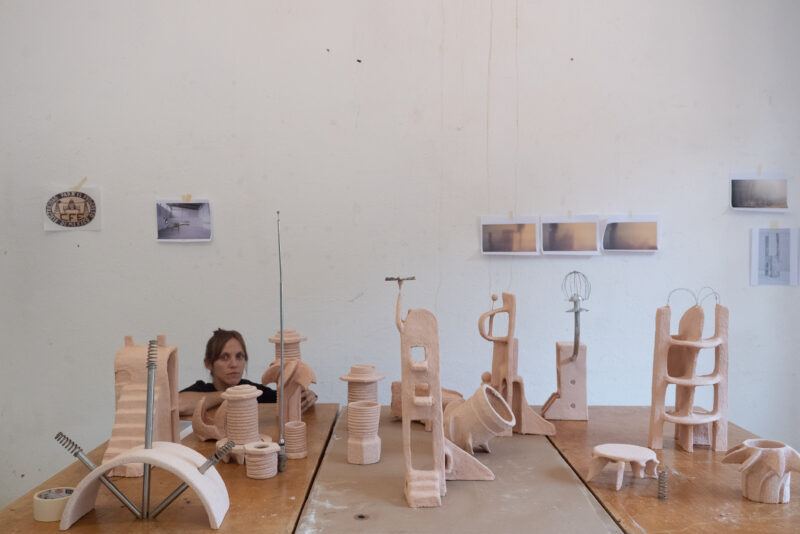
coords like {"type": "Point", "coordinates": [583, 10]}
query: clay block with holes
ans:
{"type": "Point", "coordinates": [568, 403]}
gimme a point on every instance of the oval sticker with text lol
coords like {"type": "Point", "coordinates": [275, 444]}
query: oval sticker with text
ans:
{"type": "Point", "coordinates": [71, 209]}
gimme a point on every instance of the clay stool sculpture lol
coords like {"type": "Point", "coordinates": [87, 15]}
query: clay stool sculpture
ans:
{"type": "Point", "coordinates": [130, 385]}
{"type": "Point", "coordinates": [296, 440]}
{"type": "Point", "coordinates": [363, 443]}
{"type": "Point", "coordinates": [643, 461]}
{"type": "Point", "coordinates": [261, 459]}
{"type": "Point", "coordinates": [766, 469]}
{"type": "Point", "coordinates": [472, 423]}
{"type": "Point", "coordinates": [362, 383]}
{"type": "Point", "coordinates": [504, 377]}
{"type": "Point", "coordinates": [299, 375]}
{"type": "Point", "coordinates": [675, 362]}
{"type": "Point", "coordinates": [426, 487]}
{"type": "Point", "coordinates": [206, 429]}
{"type": "Point", "coordinates": [396, 411]}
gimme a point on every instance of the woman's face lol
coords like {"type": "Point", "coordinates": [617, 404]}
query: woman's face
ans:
{"type": "Point", "coordinates": [227, 370]}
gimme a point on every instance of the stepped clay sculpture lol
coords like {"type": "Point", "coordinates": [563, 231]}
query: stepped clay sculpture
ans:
{"type": "Point", "coordinates": [130, 378]}
{"type": "Point", "coordinates": [448, 396]}
{"type": "Point", "coordinates": [472, 423]}
{"type": "Point", "coordinates": [766, 469]}
{"type": "Point", "coordinates": [299, 375]}
{"type": "Point", "coordinates": [504, 377]}
{"type": "Point", "coordinates": [569, 401]}
{"type": "Point", "coordinates": [425, 488]}
{"type": "Point", "coordinates": [261, 459]}
{"type": "Point", "coordinates": [675, 362]}
{"type": "Point", "coordinates": [206, 429]}
{"type": "Point", "coordinates": [362, 383]}
{"type": "Point", "coordinates": [643, 461]}
{"type": "Point", "coordinates": [363, 443]}
{"type": "Point", "coordinates": [296, 440]}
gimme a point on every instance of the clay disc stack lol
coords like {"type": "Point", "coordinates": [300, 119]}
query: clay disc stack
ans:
{"type": "Point", "coordinates": [261, 459]}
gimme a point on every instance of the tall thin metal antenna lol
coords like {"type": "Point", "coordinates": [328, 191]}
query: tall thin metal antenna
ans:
{"type": "Point", "coordinates": [281, 400]}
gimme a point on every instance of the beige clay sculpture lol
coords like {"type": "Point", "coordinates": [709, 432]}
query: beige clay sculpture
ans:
{"type": "Point", "coordinates": [504, 377]}
{"type": "Point", "coordinates": [240, 420]}
{"type": "Point", "coordinates": [130, 385]}
{"type": "Point", "coordinates": [472, 423]}
{"type": "Point", "coordinates": [299, 375]}
{"type": "Point", "coordinates": [675, 362]}
{"type": "Point", "coordinates": [203, 427]}
{"type": "Point", "coordinates": [643, 461]}
{"type": "Point", "coordinates": [261, 459]}
{"type": "Point", "coordinates": [296, 440]}
{"type": "Point", "coordinates": [426, 487]}
{"type": "Point", "coordinates": [396, 411]}
{"type": "Point", "coordinates": [568, 403]}
{"type": "Point", "coordinates": [766, 469]}
{"type": "Point", "coordinates": [363, 443]}
{"type": "Point", "coordinates": [362, 383]}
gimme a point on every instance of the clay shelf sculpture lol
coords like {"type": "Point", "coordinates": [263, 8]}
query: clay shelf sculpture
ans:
{"type": "Point", "coordinates": [261, 459]}
{"type": "Point", "coordinates": [504, 377]}
{"type": "Point", "coordinates": [643, 461]}
{"type": "Point", "coordinates": [675, 362]}
{"type": "Point", "coordinates": [766, 469]}
{"type": "Point", "coordinates": [299, 375]}
{"type": "Point", "coordinates": [396, 410]}
{"type": "Point", "coordinates": [568, 403]}
{"type": "Point", "coordinates": [130, 387]}
{"type": "Point", "coordinates": [362, 383]}
{"type": "Point", "coordinates": [472, 423]}
{"type": "Point", "coordinates": [426, 487]}
{"type": "Point", "coordinates": [363, 442]}
{"type": "Point", "coordinates": [296, 440]}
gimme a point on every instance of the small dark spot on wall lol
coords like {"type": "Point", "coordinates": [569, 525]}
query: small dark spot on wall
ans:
{"type": "Point", "coordinates": [22, 475]}
{"type": "Point", "coordinates": [78, 245]}
{"type": "Point", "coordinates": [327, 49]}
{"type": "Point", "coordinates": [572, 59]}
{"type": "Point", "coordinates": [358, 61]}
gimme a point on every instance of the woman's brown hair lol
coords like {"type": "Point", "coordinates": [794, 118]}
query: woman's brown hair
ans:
{"type": "Point", "coordinates": [217, 342]}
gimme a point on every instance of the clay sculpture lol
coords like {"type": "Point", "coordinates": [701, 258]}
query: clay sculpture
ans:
{"type": "Point", "coordinates": [362, 383]}
{"type": "Point", "coordinates": [261, 459]}
{"type": "Point", "coordinates": [299, 375]}
{"type": "Point", "coordinates": [504, 377]}
{"type": "Point", "coordinates": [766, 469]}
{"type": "Point", "coordinates": [363, 443]}
{"type": "Point", "coordinates": [396, 410]}
{"type": "Point", "coordinates": [643, 461]}
{"type": "Point", "coordinates": [675, 362]}
{"type": "Point", "coordinates": [472, 423]}
{"type": "Point", "coordinates": [296, 440]}
{"type": "Point", "coordinates": [130, 386]}
{"type": "Point", "coordinates": [206, 429]}
{"type": "Point", "coordinates": [241, 420]}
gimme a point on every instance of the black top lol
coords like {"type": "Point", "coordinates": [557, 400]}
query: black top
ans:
{"type": "Point", "coordinates": [204, 387]}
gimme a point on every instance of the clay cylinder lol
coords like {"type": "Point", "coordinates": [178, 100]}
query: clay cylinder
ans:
{"type": "Point", "coordinates": [294, 433]}
{"type": "Point", "coordinates": [362, 391]}
{"type": "Point", "coordinates": [241, 420]}
{"type": "Point", "coordinates": [261, 459]}
{"type": "Point", "coordinates": [363, 443]}
{"type": "Point", "coordinates": [472, 423]}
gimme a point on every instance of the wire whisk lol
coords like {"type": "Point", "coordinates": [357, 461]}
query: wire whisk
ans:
{"type": "Point", "coordinates": [576, 286]}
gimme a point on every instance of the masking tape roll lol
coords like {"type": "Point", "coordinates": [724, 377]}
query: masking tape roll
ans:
{"type": "Point", "coordinates": [49, 504]}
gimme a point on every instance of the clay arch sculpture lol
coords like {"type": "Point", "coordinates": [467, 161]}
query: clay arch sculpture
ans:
{"type": "Point", "coordinates": [504, 377]}
{"type": "Point", "coordinates": [179, 460]}
{"type": "Point", "coordinates": [130, 385]}
{"type": "Point", "coordinates": [299, 375]}
{"type": "Point", "coordinates": [766, 469]}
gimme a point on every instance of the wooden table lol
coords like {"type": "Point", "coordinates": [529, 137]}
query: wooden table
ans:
{"type": "Point", "coordinates": [271, 505]}
{"type": "Point", "coordinates": [534, 491]}
{"type": "Point", "coordinates": [704, 493]}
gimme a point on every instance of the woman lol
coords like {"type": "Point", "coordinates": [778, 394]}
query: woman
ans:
{"type": "Point", "coordinates": [226, 359]}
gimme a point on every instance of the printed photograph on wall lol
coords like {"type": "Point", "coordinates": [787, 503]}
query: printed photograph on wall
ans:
{"type": "Point", "coordinates": [67, 209]}
{"type": "Point", "coordinates": [760, 194]}
{"type": "Point", "coordinates": [773, 256]}
{"type": "Point", "coordinates": [630, 234]}
{"type": "Point", "coordinates": [510, 236]}
{"type": "Point", "coordinates": [570, 235]}
{"type": "Point", "coordinates": [179, 221]}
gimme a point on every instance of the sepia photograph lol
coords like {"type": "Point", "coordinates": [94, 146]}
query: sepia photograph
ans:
{"type": "Point", "coordinates": [515, 236]}
{"type": "Point", "coordinates": [183, 221]}
{"type": "Point", "coordinates": [570, 235]}
{"type": "Point", "coordinates": [630, 234]}
{"type": "Point", "coordinates": [773, 256]}
{"type": "Point", "coordinates": [764, 194]}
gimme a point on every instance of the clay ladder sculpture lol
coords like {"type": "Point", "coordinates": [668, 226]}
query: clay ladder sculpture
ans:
{"type": "Point", "coordinates": [425, 488]}
{"type": "Point", "coordinates": [504, 377]}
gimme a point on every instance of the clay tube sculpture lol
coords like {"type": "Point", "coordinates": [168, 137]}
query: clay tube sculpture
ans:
{"type": "Point", "coordinates": [766, 469]}
{"type": "Point", "coordinates": [363, 443]}
{"type": "Point", "coordinates": [299, 375]}
{"type": "Point", "coordinates": [362, 383]}
{"type": "Point", "coordinates": [472, 423]}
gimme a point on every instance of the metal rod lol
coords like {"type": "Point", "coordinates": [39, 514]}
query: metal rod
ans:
{"type": "Point", "coordinates": [74, 449]}
{"type": "Point", "coordinates": [281, 399]}
{"type": "Point", "coordinates": [152, 356]}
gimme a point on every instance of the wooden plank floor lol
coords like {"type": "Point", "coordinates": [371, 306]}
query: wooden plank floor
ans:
{"type": "Point", "coordinates": [704, 493]}
{"type": "Point", "coordinates": [271, 505]}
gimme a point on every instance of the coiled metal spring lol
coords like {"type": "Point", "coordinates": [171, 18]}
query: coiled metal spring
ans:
{"type": "Point", "coordinates": [152, 353]}
{"type": "Point", "coordinates": [72, 447]}
{"type": "Point", "coordinates": [663, 483]}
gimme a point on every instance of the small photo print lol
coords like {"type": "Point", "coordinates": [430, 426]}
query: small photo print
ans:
{"type": "Point", "coordinates": [630, 234]}
{"type": "Point", "coordinates": [570, 235]}
{"type": "Point", "coordinates": [773, 256]}
{"type": "Point", "coordinates": [763, 194]}
{"type": "Point", "coordinates": [517, 236]}
{"type": "Point", "coordinates": [179, 221]}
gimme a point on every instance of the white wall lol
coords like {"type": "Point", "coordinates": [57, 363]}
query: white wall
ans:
{"type": "Point", "coordinates": [380, 167]}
